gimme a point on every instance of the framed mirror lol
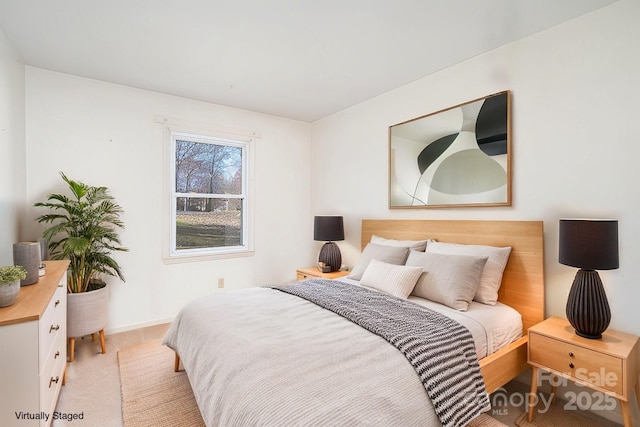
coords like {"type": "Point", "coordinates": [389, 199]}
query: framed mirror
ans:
{"type": "Point", "coordinates": [456, 157]}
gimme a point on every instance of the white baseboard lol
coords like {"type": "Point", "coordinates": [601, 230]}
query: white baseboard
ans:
{"type": "Point", "coordinates": [131, 327]}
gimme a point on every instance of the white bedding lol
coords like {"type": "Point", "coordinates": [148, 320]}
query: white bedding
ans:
{"type": "Point", "coordinates": [492, 326]}
{"type": "Point", "coordinates": [262, 357]}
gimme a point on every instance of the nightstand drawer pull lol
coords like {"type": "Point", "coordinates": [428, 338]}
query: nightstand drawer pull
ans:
{"type": "Point", "coordinates": [55, 356]}
{"type": "Point", "coordinates": [571, 365]}
{"type": "Point", "coordinates": [570, 354]}
{"type": "Point", "coordinates": [54, 328]}
{"type": "Point", "coordinates": [56, 303]}
{"type": "Point", "coordinates": [53, 380]}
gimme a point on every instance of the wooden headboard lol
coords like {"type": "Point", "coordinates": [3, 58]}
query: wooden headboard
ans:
{"type": "Point", "coordinates": [523, 280]}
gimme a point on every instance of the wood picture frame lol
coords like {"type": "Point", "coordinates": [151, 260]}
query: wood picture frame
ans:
{"type": "Point", "coordinates": [456, 157]}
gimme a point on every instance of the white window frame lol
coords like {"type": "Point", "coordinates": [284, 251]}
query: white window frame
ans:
{"type": "Point", "coordinates": [243, 140]}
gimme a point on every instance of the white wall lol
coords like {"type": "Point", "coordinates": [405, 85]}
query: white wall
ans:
{"type": "Point", "coordinates": [12, 148]}
{"type": "Point", "coordinates": [576, 145]}
{"type": "Point", "coordinates": [105, 134]}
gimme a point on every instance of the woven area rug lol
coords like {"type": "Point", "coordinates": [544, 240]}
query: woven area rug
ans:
{"type": "Point", "coordinates": [153, 395]}
{"type": "Point", "coordinates": [556, 416]}
{"type": "Point", "coordinates": [485, 421]}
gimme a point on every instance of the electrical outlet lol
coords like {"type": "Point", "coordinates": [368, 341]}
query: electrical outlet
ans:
{"type": "Point", "coordinates": [221, 282]}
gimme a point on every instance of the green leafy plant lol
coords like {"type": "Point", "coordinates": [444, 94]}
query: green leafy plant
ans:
{"type": "Point", "coordinates": [84, 231]}
{"type": "Point", "coordinates": [12, 273]}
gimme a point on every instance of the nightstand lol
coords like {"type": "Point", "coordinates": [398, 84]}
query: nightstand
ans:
{"type": "Point", "coordinates": [608, 365]}
{"type": "Point", "coordinates": [313, 272]}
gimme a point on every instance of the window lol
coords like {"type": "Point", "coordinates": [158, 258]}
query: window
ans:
{"type": "Point", "coordinates": [209, 195]}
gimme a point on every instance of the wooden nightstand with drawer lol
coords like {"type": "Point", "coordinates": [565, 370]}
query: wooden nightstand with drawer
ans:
{"type": "Point", "coordinates": [608, 365]}
{"type": "Point", "coordinates": [314, 273]}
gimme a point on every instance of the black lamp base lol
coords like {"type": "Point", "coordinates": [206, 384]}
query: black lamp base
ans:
{"type": "Point", "coordinates": [591, 337]}
{"type": "Point", "coordinates": [587, 306]}
{"type": "Point", "coordinates": [330, 255]}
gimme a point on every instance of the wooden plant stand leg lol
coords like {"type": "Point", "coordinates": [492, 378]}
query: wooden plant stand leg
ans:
{"type": "Point", "coordinates": [103, 345]}
{"type": "Point", "coordinates": [72, 348]}
{"type": "Point", "coordinates": [93, 337]}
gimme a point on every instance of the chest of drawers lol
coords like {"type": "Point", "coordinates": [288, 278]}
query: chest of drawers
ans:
{"type": "Point", "coordinates": [33, 352]}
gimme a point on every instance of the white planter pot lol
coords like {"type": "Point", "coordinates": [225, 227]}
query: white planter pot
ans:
{"type": "Point", "coordinates": [87, 312]}
{"type": "Point", "coordinates": [9, 293]}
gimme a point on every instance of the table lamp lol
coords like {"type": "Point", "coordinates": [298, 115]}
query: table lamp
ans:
{"type": "Point", "coordinates": [329, 229]}
{"type": "Point", "coordinates": [590, 245]}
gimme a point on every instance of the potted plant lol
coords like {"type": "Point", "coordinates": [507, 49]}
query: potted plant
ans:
{"type": "Point", "coordinates": [10, 277]}
{"type": "Point", "coordinates": [84, 230]}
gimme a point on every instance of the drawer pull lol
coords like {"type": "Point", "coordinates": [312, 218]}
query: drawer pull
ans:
{"type": "Point", "coordinates": [54, 380]}
{"type": "Point", "coordinates": [570, 354]}
{"type": "Point", "coordinates": [54, 328]}
{"type": "Point", "coordinates": [55, 356]}
{"type": "Point", "coordinates": [61, 284]}
{"type": "Point", "coordinates": [56, 303]}
{"type": "Point", "coordinates": [571, 365]}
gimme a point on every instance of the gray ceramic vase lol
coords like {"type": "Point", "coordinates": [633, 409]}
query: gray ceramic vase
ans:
{"type": "Point", "coordinates": [27, 254]}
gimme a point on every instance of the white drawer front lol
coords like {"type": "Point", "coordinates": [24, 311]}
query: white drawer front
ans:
{"type": "Point", "coordinates": [53, 324]}
{"type": "Point", "coordinates": [51, 376]}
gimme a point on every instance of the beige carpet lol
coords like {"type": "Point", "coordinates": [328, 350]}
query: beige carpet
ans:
{"type": "Point", "coordinates": [556, 416]}
{"type": "Point", "coordinates": [153, 395]}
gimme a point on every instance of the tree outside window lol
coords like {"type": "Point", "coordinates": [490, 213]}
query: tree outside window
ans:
{"type": "Point", "coordinates": [209, 203]}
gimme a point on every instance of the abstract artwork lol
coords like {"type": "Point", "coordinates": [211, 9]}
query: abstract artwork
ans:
{"type": "Point", "coordinates": [459, 156]}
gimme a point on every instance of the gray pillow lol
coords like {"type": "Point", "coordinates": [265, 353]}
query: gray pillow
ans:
{"type": "Point", "coordinates": [416, 245]}
{"type": "Point", "coordinates": [389, 254]}
{"type": "Point", "coordinates": [491, 278]}
{"type": "Point", "coordinates": [451, 280]}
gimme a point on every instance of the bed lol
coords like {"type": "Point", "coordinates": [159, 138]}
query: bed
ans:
{"type": "Point", "coordinates": [263, 356]}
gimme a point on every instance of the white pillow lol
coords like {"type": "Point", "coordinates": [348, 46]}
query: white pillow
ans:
{"type": "Point", "coordinates": [397, 280]}
{"type": "Point", "coordinates": [391, 254]}
{"type": "Point", "coordinates": [491, 278]}
{"type": "Point", "coordinates": [451, 280]}
{"type": "Point", "coordinates": [416, 245]}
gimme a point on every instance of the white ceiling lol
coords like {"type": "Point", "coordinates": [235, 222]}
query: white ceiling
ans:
{"type": "Point", "coordinates": [300, 59]}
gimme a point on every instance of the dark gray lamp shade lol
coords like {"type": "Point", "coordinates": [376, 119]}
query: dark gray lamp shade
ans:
{"type": "Point", "coordinates": [590, 245]}
{"type": "Point", "coordinates": [329, 229]}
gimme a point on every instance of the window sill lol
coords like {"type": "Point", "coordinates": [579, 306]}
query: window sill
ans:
{"type": "Point", "coordinates": [177, 259]}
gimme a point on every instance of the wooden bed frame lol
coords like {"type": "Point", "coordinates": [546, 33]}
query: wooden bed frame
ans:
{"type": "Point", "coordinates": [522, 283]}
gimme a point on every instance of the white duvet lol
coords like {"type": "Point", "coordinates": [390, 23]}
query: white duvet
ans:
{"type": "Point", "coordinates": [260, 357]}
